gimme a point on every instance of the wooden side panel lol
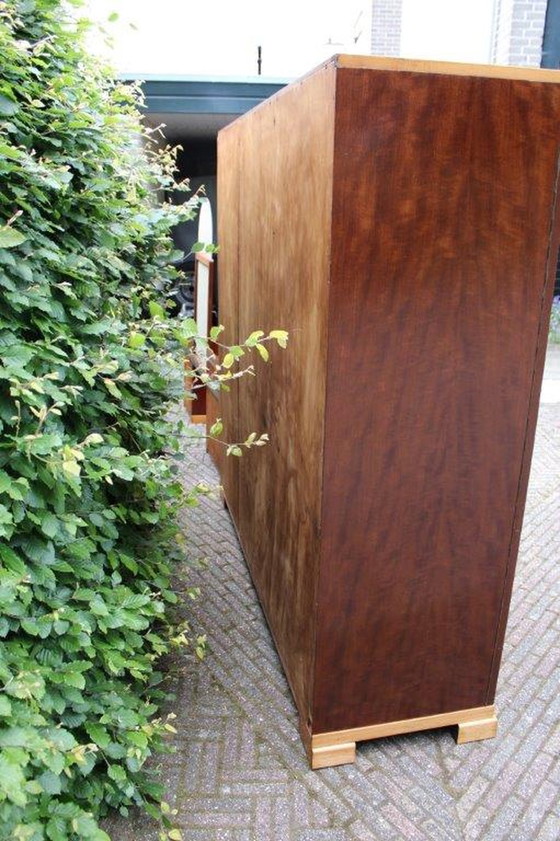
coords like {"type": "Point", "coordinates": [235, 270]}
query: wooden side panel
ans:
{"type": "Point", "coordinates": [445, 194]}
{"type": "Point", "coordinates": [284, 240]}
{"type": "Point", "coordinates": [229, 198]}
{"type": "Point", "coordinates": [215, 447]}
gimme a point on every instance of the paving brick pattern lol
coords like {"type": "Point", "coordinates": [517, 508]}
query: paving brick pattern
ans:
{"type": "Point", "coordinates": [240, 774]}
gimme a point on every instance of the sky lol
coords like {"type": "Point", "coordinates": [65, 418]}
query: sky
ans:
{"type": "Point", "coordinates": [220, 37]}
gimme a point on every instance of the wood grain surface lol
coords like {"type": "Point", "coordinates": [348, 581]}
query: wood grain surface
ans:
{"type": "Point", "coordinates": [283, 226]}
{"type": "Point", "coordinates": [445, 190]}
{"type": "Point", "coordinates": [229, 192]}
{"type": "Point", "coordinates": [214, 446]}
{"type": "Point", "coordinates": [399, 220]}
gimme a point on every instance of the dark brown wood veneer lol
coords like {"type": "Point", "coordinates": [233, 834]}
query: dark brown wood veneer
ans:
{"type": "Point", "coordinates": [399, 219]}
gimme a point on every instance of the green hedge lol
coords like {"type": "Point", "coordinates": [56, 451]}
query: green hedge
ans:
{"type": "Point", "coordinates": [87, 493]}
{"type": "Point", "coordinates": [89, 364]}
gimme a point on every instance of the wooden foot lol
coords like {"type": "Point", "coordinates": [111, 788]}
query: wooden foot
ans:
{"type": "Point", "coordinates": [331, 755]}
{"type": "Point", "coordinates": [475, 731]}
{"type": "Point", "coordinates": [338, 747]}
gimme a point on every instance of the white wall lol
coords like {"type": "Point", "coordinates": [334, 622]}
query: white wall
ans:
{"type": "Point", "coordinates": [447, 30]}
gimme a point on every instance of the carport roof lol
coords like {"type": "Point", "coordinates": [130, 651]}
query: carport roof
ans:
{"type": "Point", "coordinates": [198, 106]}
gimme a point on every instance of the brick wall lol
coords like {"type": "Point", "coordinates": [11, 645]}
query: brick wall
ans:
{"type": "Point", "coordinates": [386, 27]}
{"type": "Point", "coordinates": [518, 32]}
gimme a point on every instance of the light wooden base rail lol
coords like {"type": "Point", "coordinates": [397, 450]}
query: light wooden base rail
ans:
{"type": "Point", "coordinates": [339, 746]}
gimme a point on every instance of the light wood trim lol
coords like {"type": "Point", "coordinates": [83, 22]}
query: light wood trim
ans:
{"type": "Point", "coordinates": [408, 725]}
{"type": "Point", "coordinates": [328, 757]}
{"type": "Point", "coordinates": [494, 71]}
{"type": "Point", "coordinates": [205, 259]}
{"type": "Point", "coordinates": [475, 731]}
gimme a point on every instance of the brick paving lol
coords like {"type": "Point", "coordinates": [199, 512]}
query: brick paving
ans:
{"type": "Point", "coordinates": [240, 774]}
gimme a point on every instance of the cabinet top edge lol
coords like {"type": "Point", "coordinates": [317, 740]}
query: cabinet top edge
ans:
{"type": "Point", "coordinates": [406, 65]}
{"type": "Point", "coordinates": [448, 68]}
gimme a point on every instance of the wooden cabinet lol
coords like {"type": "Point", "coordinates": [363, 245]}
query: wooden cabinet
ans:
{"type": "Point", "coordinates": [399, 219]}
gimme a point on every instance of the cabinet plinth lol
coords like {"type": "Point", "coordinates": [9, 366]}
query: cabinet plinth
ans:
{"type": "Point", "coordinates": [399, 219]}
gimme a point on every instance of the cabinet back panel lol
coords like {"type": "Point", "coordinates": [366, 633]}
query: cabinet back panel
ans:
{"type": "Point", "coordinates": [444, 195]}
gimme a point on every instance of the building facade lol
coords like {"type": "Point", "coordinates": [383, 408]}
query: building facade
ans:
{"type": "Point", "coordinates": [518, 32]}
{"type": "Point", "coordinates": [514, 32]}
{"type": "Point", "coordinates": [386, 18]}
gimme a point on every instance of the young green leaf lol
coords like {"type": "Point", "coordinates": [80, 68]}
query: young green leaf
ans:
{"type": "Point", "coordinates": [252, 340]}
{"type": "Point", "coordinates": [136, 340]}
{"type": "Point", "coordinates": [263, 352]}
{"type": "Point", "coordinates": [215, 332]}
{"type": "Point", "coordinates": [281, 337]}
{"type": "Point", "coordinates": [156, 310]}
{"type": "Point", "coordinates": [9, 238]}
